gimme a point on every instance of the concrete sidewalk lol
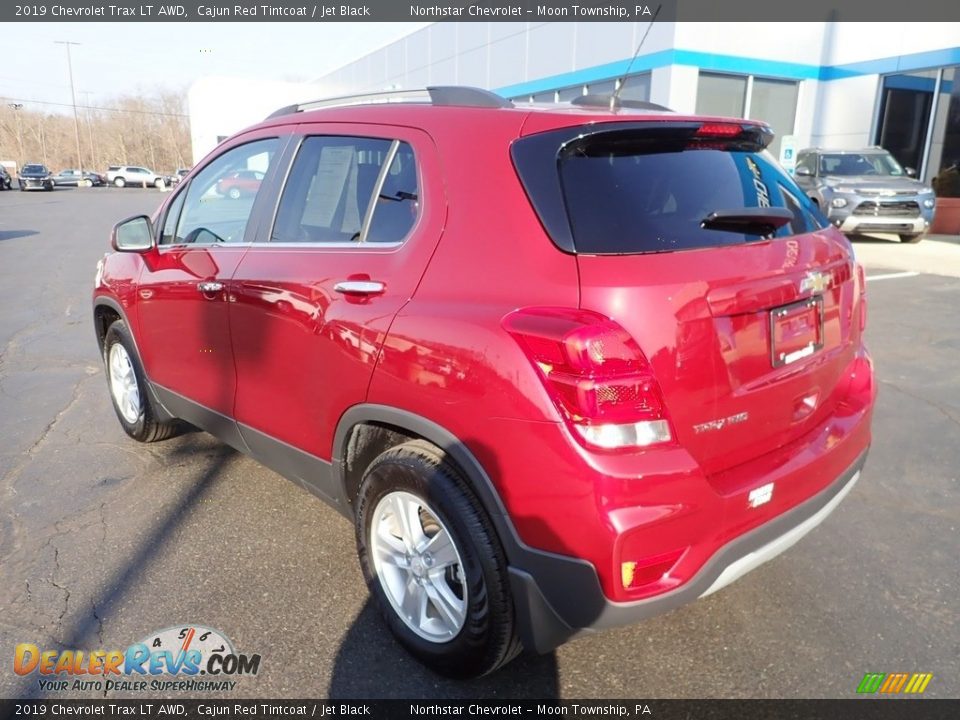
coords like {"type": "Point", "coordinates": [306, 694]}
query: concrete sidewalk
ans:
{"type": "Point", "coordinates": [935, 254]}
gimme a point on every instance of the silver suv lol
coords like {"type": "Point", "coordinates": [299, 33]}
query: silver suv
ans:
{"type": "Point", "coordinates": [866, 191]}
{"type": "Point", "coordinates": [122, 175]}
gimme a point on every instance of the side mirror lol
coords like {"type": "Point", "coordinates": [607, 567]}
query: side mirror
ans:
{"type": "Point", "coordinates": [132, 235]}
{"type": "Point", "coordinates": [803, 171]}
{"type": "Point", "coordinates": [911, 172]}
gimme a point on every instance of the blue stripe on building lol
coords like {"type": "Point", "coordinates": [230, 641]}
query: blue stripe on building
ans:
{"type": "Point", "coordinates": [712, 62]}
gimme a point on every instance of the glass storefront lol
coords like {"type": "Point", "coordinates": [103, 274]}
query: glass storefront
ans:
{"type": "Point", "coordinates": [919, 123]}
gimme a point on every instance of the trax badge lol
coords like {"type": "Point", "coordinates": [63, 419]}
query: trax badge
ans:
{"type": "Point", "coordinates": [759, 496]}
{"type": "Point", "coordinates": [720, 423]}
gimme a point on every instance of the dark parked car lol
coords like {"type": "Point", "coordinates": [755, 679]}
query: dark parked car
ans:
{"type": "Point", "coordinates": [35, 177]}
{"type": "Point", "coordinates": [866, 191]}
{"type": "Point", "coordinates": [71, 178]}
{"type": "Point", "coordinates": [563, 368]}
{"type": "Point", "coordinates": [5, 180]}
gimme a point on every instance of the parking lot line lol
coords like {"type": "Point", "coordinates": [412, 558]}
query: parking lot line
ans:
{"type": "Point", "coordinates": [892, 276]}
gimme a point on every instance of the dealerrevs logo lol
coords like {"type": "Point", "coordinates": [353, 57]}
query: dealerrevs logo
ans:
{"type": "Point", "coordinates": [184, 652]}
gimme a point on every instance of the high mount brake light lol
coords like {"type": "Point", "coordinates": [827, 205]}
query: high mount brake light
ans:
{"type": "Point", "coordinates": [719, 130]}
{"type": "Point", "coordinates": [596, 375]}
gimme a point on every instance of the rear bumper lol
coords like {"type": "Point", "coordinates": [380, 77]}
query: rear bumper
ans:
{"type": "Point", "coordinates": [559, 597]}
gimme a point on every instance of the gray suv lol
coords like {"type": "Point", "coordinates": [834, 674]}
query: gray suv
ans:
{"type": "Point", "coordinates": [866, 191]}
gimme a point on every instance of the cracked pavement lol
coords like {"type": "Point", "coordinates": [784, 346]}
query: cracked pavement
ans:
{"type": "Point", "coordinates": [103, 541]}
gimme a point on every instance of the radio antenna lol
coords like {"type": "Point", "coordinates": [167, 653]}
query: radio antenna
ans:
{"type": "Point", "coordinates": [623, 80]}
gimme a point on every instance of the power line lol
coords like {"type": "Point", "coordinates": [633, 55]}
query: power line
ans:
{"type": "Point", "coordinates": [94, 107]}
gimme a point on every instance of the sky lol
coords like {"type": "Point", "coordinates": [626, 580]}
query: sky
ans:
{"type": "Point", "coordinates": [126, 58]}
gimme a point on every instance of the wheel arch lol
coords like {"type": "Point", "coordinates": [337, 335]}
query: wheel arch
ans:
{"type": "Point", "coordinates": [540, 626]}
{"type": "Point", "coordinates": [106, 311]}
{"type": "Point", "coordinates": [366, 430]}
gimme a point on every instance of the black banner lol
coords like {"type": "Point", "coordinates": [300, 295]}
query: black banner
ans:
{"type": "Point", "coordinates": [854, 709]}
{"type": "Point", "coordinates": [480, 10]}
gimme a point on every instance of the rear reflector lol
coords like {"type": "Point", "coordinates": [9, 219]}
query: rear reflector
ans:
{"type": "Point", "coordinates": [595, 374]}
{"type": "Point", "coordinates": [635, 574]}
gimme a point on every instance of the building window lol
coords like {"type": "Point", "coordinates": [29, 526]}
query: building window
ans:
{"type": "Point", "coordinates": [774, 102]}
{"type": "Point", "coordinates": [770, 100]}
{"type": "Point", "coordinates": [636, 87]}
{"type": "Point", "coordinates": [905, 105]}
{"type": "Point", "coordinates": [944, 160]}
{"type": "Point", "coordinates": [569, 93]}
{"type": "Point", "coordinates": [918, 121]}
{"type": "Point", "coordinates": [604, 87]}
{"type": "Point", "coordinates": [721, 95]}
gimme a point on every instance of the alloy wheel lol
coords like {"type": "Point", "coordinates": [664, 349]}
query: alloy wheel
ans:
{"type": "Point", "coordinates": [418, 566]}
{"type": "Point", "coordinates": [123, 383]}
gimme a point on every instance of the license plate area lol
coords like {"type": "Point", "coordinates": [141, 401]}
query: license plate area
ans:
{"type": "Point", "coordinates": [796, 331]}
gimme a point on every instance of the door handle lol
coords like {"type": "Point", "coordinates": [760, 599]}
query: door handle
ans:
{"type": "Point", "coordinates": [359, 287]}
{"type": "Point", "coordinates": [209, 286]}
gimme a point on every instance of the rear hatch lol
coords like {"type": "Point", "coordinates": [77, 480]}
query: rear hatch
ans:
{"type": "Point", "coordinates": [735, 287]}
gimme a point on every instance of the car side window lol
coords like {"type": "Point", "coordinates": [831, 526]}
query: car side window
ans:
{"type": "Point", "coordinates": [807, 161]}
{"type": "Point", "coordinates": [209, 213]}
{"type": "Point", "coordinates": [398, 201]}
{"type": "Point", "coordinates": [168, 235]}
{"type": "Point", "coordinates": [328, 195]}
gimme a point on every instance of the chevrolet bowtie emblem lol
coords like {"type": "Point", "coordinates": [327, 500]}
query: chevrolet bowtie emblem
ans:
{"type": "Point", "coordinates": [815, 282]}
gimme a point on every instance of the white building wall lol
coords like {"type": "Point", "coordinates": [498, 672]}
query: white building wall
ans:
{"type": "Point", "coordinates": [500, 55]}
{"type": "Point", "coordinates": [845, 112]}
{"type": "Point", "coordinates": [675, 86]}
{"type": "Point", "coordinates": [859, 42]}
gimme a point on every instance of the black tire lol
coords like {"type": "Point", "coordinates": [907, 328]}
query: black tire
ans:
{"type": "Point", "coordinates": [146, 428]}
{"type": "Point", "coordinates": [912, 239]}
{"type": "Point", "coordinates": [488, 638]}
{"type": "Point", "coordinates": [119, 182]}
{"type": "Point", "coordinates": [234, 193]}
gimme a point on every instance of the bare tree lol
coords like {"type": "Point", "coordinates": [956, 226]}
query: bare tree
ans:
{"type": "Point", "coordinates": [125, 130]}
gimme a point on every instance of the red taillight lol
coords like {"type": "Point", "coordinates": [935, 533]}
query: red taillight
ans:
{"type": "Point", "coordinates": [596, 375]}
{"type": "Point", "coordinates": [725, 130]}
{"type": "Point", "coordinates": [862, 285]}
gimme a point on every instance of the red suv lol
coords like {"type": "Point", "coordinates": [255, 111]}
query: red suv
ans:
{"type": "Point", "coordinates": [564, 368]}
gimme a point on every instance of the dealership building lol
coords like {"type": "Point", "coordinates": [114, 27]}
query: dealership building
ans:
{"type": "Point", "coordinates": [837, 85]}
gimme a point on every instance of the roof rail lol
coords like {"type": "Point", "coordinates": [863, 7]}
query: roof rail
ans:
{"type": "Point", "coordinates": [439, 95]}
{"type": "Point", "coordinates": [604, 101]}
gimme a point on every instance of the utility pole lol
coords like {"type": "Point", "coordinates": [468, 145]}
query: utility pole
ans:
{"type": "Point", "coordinates": [73, 96]}
{"type": "Point", "coordinates": [17, 107]}
{"type": "Point", "coordinates": [93, 151]}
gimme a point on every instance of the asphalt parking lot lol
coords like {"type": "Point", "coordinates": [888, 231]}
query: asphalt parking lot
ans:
{"type": "Point", "coordinates": [103, 541]}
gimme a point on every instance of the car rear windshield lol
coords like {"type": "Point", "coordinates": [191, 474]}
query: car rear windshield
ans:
{"type": "Point", "coordinates": [634, 192]}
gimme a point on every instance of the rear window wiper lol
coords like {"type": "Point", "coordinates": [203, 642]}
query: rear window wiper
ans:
{"type": "Point", "coordinates": [749, 221]}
